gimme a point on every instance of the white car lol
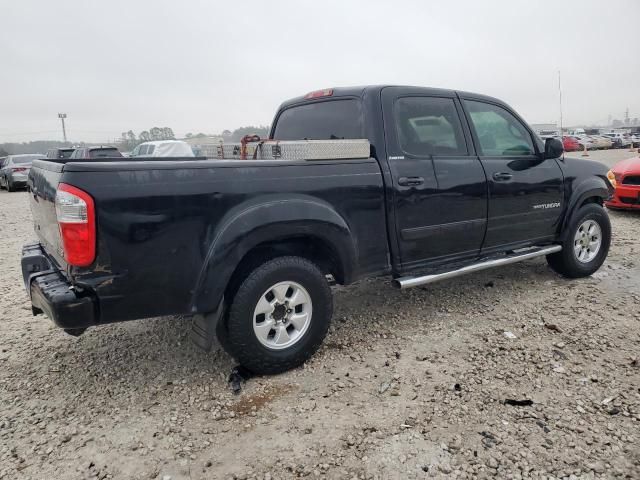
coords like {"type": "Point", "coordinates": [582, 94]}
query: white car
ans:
{"type": "Point", "coordinates": [620, 140]}
{"type": "Point", "coordinates": [586, 141]}
{"type": "Point", "coordinates": [163, 148]}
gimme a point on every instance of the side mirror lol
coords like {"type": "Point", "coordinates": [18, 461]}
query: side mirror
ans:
{"type": "Point", "coordinates": [553, 148]}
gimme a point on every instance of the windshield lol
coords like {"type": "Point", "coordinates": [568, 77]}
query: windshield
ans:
{"type": "Point", "coordinates": [105, 152]}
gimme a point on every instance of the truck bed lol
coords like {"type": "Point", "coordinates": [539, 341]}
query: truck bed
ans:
{"type": "Point", "coordinates": [170, 215]}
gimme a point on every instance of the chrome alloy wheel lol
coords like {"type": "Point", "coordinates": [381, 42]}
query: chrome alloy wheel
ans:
{"type": "Point", "coordinates": [587, 241]}
{"type": "Point", "coordinates": [282, 315]}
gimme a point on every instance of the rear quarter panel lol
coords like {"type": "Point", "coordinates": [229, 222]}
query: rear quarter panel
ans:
{"type": "Point", "coordinates": [157, 222]}
{"type": "Point", "coordinates": [43, 181]}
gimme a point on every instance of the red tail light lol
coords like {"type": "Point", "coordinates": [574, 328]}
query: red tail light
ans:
{"type": "Point", "coordinates": [75, 211]}
{"type": "Point", "coordinates": [19, 169]}
{"type": "Point", "coordinates": [327, 92]}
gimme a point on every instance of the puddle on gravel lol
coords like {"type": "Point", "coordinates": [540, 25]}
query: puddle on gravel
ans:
{"type": "Point", "coordinates": [259, 399]}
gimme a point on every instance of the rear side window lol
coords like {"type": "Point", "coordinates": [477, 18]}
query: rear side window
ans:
{"type": "Point", "coordinates": [25, 159]}
{"type": "Point", "coordinates": [65, 153]}
{"type": "Point", "coordinates": [429, 126]}
{"type": "Point", "coordinates": [500, 133]}
{"type": "Point", "coordinates": [328, 120]}
{"type": "Point", "coordinates": [150, 149]}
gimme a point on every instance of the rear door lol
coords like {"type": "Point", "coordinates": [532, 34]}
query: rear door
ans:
{"type": "Point", "coordinates": [439, 186]}
{"type": "Point", "coordinates": [525, 190]}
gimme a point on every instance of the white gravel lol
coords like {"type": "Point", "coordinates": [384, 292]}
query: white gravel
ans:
{"type": "Point", "coordinates": [407, 385]}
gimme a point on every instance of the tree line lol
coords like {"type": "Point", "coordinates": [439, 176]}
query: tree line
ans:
{"type": "Point", "coordinates": [129, 140]}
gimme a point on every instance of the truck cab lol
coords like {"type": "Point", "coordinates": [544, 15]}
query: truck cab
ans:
{"type": "Point", "coordinates": [465, 175]}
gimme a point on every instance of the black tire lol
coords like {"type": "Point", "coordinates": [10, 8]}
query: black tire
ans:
{"type": "Point", "coordinates": [241, 341]}
{"type": "Point", "coordinates": [10, 186]}
{"type": "Point", "coordinates": [566, 262]}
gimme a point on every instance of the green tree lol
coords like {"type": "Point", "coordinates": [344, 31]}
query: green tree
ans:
{"type": "Point", "coordinates": [167, 133]}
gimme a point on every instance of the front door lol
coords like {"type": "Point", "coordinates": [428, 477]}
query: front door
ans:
{"type": "Point", "coordinates": [440, 190]}
{"type": "Point", "coordinates": [525, 190]}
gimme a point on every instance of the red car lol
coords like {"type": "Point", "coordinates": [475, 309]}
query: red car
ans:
{"type": "Point", "coordinates": [571, 144]}
{"type": "Point", "coordinates": [625, 176]}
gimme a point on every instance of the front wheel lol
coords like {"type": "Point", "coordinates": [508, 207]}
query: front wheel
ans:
{"type": "Point", "coordinates": [586, 243]}
{"type": "Point", "coordinates": [279, 315]}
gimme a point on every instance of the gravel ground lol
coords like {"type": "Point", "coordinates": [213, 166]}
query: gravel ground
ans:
{"type": "Point", "coordinates": [408, 384]}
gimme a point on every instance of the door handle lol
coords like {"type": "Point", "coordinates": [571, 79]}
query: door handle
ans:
{"type": "Point", "coordinates": [502, 176]}
{"type": "Point", "coordinates": [410, 181]}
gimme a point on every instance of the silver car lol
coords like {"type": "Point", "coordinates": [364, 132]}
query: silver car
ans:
{"type": "Point", "coordinates": [14, 170]}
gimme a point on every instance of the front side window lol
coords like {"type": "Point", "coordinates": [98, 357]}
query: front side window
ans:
{"type": "Point", "coordinates": [429, 126]}
{"type": "Point", "coordinates": [328, 120]}
{"type": "Point", "coordinates": [499, 133]}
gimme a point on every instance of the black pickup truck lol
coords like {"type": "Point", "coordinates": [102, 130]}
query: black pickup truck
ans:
{"type": "Point", "coordinates": [455, 182]}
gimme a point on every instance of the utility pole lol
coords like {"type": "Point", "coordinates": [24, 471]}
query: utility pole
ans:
{"type": "Point", "coordinates": [62, 116]}
{"type": "Point", "coordinates": [560, 93]}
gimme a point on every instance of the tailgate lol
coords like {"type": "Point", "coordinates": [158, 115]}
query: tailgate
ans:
{"type": "Point", "coordinates": [43, 182]}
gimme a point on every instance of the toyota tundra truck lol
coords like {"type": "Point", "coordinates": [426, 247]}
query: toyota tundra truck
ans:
{"type": "Point", "coordinates": [448, 183]}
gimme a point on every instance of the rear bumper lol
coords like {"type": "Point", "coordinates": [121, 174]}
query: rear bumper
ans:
{"type": "Point", "coordinates": [18, 180]}
{"type": "Point", "coordinates": [52, 294]}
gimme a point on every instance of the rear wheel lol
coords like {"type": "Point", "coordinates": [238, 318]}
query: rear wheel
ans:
{"type": "Point", "coordinates": [279, 315]}
{"type": "Point", "coordinates": [586, 244]}
{"type": "Point", "coordinates": [10, 186]}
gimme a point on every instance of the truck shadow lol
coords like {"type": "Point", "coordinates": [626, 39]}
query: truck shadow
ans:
{"type": "Point", "coordinates": [158, 354]}
{"type": "Point", "coordinates": [151, 359]}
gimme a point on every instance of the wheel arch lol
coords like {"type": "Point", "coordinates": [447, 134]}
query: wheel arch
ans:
{"type": "Point", "coordinates": [593, 190]}
{"type": "Point", "coordinates": [304, 227]}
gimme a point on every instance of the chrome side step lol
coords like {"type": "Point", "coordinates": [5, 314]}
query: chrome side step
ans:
{"type": "Point", "coordinates": [408, 282]}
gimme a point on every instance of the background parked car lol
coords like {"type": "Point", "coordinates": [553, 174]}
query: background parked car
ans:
{"type": "Point", "coordinates": [601, 142]}
{"type": "Point", "coordinates": [626, 175]}
{"type": "Point", "coordinates": [571, 144]}
{"type": "Point", "coordinates": [54, 153]}
{"type": "Point", "coordinates": [163, 148]}
{"type": "Point", "coordinates": [14, 170]}
{"type": "Point", "coordinates": [586, 141]}
{"type": "Point", "coordinates": [95, 152]}
{"type": "Point", "coordinates": [620, 140]}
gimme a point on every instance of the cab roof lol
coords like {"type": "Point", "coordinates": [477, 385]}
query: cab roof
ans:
{"type": "Point", "coordinates": [361, 91]}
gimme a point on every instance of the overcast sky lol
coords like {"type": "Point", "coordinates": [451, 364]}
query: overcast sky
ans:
{"type": "Point", "coordinates": [203, 66]}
